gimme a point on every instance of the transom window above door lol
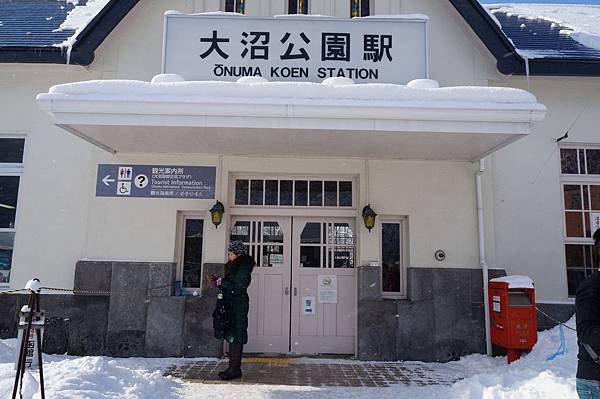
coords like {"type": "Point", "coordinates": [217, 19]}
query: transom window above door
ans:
{"type": "Point", "coordinates": [294, 193]}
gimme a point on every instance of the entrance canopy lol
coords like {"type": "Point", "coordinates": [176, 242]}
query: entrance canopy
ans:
{"type": "Point", "coordinates": [335, 118]}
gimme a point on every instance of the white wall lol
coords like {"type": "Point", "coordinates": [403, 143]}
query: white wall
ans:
{"type": "Point", "coordinates": [54, 190]}
{"type": "Point", "coordinates": [437, 197]}
{"type": "Point", "coordinates": [528, 199]}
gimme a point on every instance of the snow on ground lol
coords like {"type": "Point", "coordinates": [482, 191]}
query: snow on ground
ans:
{"type": "Point", "coordinates": [531, 377]}
{"type": "Point", "coordinates": [584, 20]}
{"type": "Point", "coordinates": [78, 18]}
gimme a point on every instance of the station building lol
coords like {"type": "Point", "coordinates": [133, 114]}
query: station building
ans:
{"type": "Point", "coordinates": [381, 159]}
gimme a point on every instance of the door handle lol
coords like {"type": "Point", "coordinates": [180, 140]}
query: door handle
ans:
{"type": "Point", "coordinates": [295, 291]}
{"type": "Point", "coordinates": [287, 291]}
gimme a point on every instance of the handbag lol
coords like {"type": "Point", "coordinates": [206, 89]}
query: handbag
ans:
{"type": "Point", "coordinates": [221, 316]}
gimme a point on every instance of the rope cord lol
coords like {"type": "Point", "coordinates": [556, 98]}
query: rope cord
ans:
{"type": "Point", "coordinates": [554, 320]}
{"type": "Point", "coordinates": [14, 291]}
{"type": "Point", "coordinates": [89, 292]}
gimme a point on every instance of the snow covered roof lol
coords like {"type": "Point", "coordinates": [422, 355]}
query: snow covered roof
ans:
{"type": "Point", "coordinates": [32, 23]}
{"type": "Point", "coordinates": [558, 31]}
{"type": "Point", "coordinates": [57, 31]}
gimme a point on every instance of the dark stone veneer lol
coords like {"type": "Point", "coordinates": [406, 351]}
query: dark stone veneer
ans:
{"type": "Point", "coordinates": [135, 320]}
{"type": "Point", "coordinates": [441, 320]}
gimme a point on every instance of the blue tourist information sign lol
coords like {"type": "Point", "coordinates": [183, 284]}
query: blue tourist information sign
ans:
{"type": "Point", "coordinates": [156, 181]}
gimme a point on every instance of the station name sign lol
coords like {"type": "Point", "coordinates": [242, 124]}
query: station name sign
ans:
{"type": "Point", "coordinates": [295, 48]}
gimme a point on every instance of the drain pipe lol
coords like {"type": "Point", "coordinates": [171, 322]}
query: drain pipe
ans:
{"type": "Point", "coordinates": [482, 261]}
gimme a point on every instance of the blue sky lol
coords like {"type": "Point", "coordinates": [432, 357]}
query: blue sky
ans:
{"type": "Point", "coordinates": [542, 1]}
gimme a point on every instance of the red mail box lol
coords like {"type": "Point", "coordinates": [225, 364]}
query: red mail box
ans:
{"type": "Point", "coordinates": [513, 320]}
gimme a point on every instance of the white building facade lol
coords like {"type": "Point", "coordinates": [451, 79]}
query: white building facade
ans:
{"type": "Point", "coordinates": [294, 165]}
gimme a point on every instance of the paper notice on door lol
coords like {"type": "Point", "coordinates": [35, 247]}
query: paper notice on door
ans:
{"type": "Point", "coordinates": [308, 305]}
{"type": "Point", "coordinates": [328, 289]}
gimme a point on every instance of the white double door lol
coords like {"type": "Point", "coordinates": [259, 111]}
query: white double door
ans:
{"type": "Point", "coordinates": [303, 290]}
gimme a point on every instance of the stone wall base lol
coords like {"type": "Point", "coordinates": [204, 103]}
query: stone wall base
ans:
{"type": "Point", "coordinates": [139, 318]}
{"type": "Point", "coordinates": [441, 320]}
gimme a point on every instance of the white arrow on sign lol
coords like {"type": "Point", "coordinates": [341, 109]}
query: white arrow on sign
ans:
{"type": "Point", "coordinates": [107, 180]}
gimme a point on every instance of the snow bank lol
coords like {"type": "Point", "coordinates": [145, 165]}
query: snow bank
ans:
{"type": "Point", "coordinates": [515, 281]}
{"type": "Point", "coordinates": [531, 377]}
{"type": "Point", "coordinates": [481, 377]}
{"type": "Point", "coordinates": [583, 20]}
{"type": "Point", "coordinates": [78, 18]}
{"type": "Point", "coordinates": [296, 92]}
{"type": "Point", "coordinates": [68, 377]}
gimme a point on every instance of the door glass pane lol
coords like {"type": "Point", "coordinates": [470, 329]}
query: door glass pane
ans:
{"type": "Point", "coordinates": [568, 161]}
{"type": "Point", "coordinates": [192, 253]}
{"type": "Point", "coordinates": [9, 188]}
{"type": "Point", "coordinates": [256, 192]}
{"type": "Point", "coordinates": [316, 193]}
{"type": "Point", "coordinates": [595, 197]}
{"type": "Point", "coordinates": [271, 193]}
{"type": "Point", "coordinates": [586, 197]}
{"type": "Point", "coordinates": [241, 192]}
{"type": "Point", "coordinates": [574, 255]}
{"type": "Point", "coordinates": [345, 193]}
{"type": "Point", "coordinates": [272, 232]}
{"type": "Point", "coordinates": [572, 196]}
{"type": "Point", "coordinates": [301, 192]}
{"type": "Point", "coordinates": [285, 192]}
{"type": "Point", "coordinates": [240, 232]}
{"type": "Point", "coordinates": [272, 256]}
{"type": "Point", "coordinates": [390, 257]}
{"type": "Point", "coordinates": [574, 222]}
{"type": "Point", "coordinates": [310, 256]}
{"type": "Point", "coordinates": [343, 257]}
{"type": "Point", "coordinates": [6, 251]}
{"type": "Point", "coordinates": [593, 162]}
{"type": "Point", "coordinates": [330, 193]}
{"type": "Point", "coordinates": [11, 150]}
{"type": "Point", "coordinates": [588, 228]}
{"type": "Point", "coordinates": [341, 233]}
{"type": "Point", "coordinates": [311, 234]}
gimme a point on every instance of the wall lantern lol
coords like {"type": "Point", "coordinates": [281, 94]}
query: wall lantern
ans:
{"type": "Point", "coordinates": [369, 216]}
{"type": "Point", "coordinates": [216, 213]}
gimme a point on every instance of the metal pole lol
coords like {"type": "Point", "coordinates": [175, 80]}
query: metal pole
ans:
{"type": "Point", "coordinates": [23, 353]}
{"type": "Point", "coordinates": [482, 255]}
{"type": "Point", "coordinates": [38, 335]}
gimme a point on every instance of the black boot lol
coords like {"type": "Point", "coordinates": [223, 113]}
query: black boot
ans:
{"type": "Point", "coordinates": [222, 373]}
{"type": "Point", "coordinates": [235, 363]}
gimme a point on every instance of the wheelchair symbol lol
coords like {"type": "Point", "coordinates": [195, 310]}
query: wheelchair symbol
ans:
{"type": "Point", "coordinates": [124, 188]}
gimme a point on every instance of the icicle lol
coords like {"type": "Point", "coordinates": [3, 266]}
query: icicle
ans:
{"type": "Point", "coordinates": [69, 49]}
{"type": "Point", "coordinates": [526, 59]}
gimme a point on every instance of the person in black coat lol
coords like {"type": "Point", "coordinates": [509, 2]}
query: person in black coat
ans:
{"type": "Point", "coordinates": [234, 285]}
{"type": "Point", "coordinates": [587, 309]}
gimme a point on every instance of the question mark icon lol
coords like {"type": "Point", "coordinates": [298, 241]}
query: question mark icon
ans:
{"type": "Point", "coordinates": [141, 181]}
